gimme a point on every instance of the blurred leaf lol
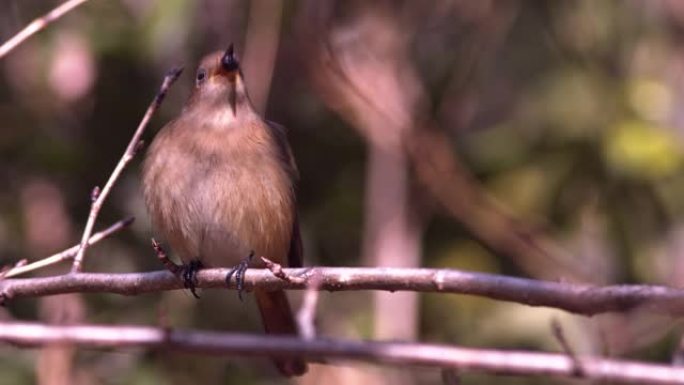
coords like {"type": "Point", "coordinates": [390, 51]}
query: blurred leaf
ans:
{"type": "Point", "coordinates": [640, 150]}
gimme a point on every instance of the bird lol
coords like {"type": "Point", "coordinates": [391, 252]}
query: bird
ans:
{"type": "Point", "coordinates": [219, 185]}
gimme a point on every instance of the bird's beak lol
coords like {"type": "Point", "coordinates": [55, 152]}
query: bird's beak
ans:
{"type": "Point", "coordinates": [230, 67]}
{"type": "Point", "coordinates": [229, 61]}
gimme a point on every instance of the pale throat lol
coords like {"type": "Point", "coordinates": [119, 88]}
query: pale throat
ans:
{"type": "Point", "coordinates": [216, 106]}
{"type": "Point", "coordinates": [222, 115]}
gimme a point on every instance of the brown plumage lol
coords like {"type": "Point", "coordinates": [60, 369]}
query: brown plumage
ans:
{"type": "Point", "coordinates": [219, 184]}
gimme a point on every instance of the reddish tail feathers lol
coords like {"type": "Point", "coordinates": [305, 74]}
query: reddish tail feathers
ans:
{"type": "Point", "coordinates": [277, 318]}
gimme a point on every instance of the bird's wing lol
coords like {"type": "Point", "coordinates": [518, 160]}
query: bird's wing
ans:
{"type": "Point", "coordinates": [280, 136]}
{"type": "Point", "coordinates": [295, 255]}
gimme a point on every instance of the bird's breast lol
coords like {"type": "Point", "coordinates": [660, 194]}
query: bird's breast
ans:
{"type": "Point", "coordinates": [220, 201]}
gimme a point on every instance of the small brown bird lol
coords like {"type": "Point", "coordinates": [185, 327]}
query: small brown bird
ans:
{"type": "Point", "coordinates": [219, 185]}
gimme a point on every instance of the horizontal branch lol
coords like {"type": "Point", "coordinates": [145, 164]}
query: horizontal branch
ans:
{"type": "Point", "coordinates": [396, 353]}
{"type": "Point", "coordinates": [574, 298]}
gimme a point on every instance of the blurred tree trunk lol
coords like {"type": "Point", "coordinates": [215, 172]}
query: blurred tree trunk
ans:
{"type": "Point", "coordinates": [261, 48]}
{"type": "Point", "coordinates": [47, 228]}
{"type": "Point", "coordinates": [390, 238]}
{"type": "Point", "coordinates": [362, 68]}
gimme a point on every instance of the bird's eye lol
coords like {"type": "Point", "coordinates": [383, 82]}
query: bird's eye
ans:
{"type": "Point", "coordinates": [201, 75]}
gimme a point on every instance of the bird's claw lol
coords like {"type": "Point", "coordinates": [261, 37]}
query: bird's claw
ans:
{"type": "Point", "coordinates": [189, 274]}
{"type": "Point", "coordinates": [239, 272]}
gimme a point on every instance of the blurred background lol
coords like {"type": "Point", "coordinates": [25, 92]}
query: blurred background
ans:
{"type": "Point", "coordinates": [528, 138]}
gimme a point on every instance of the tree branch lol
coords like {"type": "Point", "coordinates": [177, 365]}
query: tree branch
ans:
{"type": "Point", "coordinates": [574, 298]}
{"type": "Point", "coordinates": [68, 253]}
{"type": "Point", "coordinates": [98, 196]}
{"type": "Point", "coordinates": [395, 353]}
{"type": "Point", "coordinates": [38, 25]}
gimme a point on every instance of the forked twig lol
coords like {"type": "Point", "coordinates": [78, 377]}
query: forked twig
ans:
{"type": "Point", "coordinates": [68, 253]}
{"type": "Point", "coordinates": [164, 258]}
{"type": "Point", "coordinates": [277, 270]}
{"type": "Point", "coordinates": [98, 195]}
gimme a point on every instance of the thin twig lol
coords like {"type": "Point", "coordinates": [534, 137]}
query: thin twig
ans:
{"type": "Point", "coordinates": [277, 270]}
{"type": "Point", "coordinates": [395, 353]}
{"type": "Point", "coordinates": [575, 298]}
{"type": "Point", "coordinates": [164, 258]}
{"type": "Point", "coordinates": [307, 313]}
{"type": "Point", "coordinates": [37, 25]}
{"type": "Point", "coordinates": [133, 145]}
{"type": "Point", "coordinates": [68, 253]}
{"type": "Point", "coordinates": [5, 269]}
{"type": "Point", "coordinates": [560, 337]}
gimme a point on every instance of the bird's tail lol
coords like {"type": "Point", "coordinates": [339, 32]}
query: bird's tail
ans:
{"type": "Point", "coordinates": [277, 318]}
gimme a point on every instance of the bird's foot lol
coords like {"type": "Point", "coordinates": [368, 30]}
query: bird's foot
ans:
{"type": "Point", "coordinates": [189, 275]}
{"type": "Point", "coordinates": [239, 271]}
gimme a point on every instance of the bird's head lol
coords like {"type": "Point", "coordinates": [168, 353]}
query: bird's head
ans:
{"type": "Point", "coordinates": [219, 83]}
